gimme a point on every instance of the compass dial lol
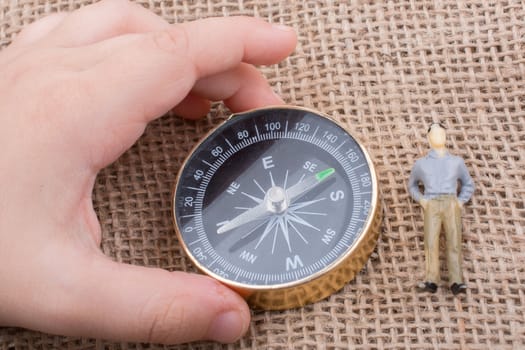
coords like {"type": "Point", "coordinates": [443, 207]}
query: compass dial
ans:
{"type": "Point", "coordinates": [274, 199]}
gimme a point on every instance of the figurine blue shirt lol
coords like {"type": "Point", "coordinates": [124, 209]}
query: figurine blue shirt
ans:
{"type": "Point", "coordinates": [440, 176]}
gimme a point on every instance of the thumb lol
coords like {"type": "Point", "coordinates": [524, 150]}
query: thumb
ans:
{"type": "Point", "coordinates": [125, 302]}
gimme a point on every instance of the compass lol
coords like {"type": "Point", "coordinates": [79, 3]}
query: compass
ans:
{"type": "Point", "coordinates": [280, 204]}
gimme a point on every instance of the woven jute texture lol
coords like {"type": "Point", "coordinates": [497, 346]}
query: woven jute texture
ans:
{"type": "Point", "coordinates": [385, 69]}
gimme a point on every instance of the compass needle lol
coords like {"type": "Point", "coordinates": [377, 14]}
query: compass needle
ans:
{"type": "Point", "coordinates": [253, 230]}
{"type": "Point", "coordinates": [305, 204]}
{"type": "Point", "coordinates": [305, 236]}
{"type": "Point", "coordinates": [303, 187]}
{"type": "Point", "coordinates": [256, 213]}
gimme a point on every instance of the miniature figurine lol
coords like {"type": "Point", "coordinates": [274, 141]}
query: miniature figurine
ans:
{"type": "Point", "coordinates": [439, 172]}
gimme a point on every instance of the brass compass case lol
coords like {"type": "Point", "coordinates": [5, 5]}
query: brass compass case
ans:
{"type": "Point", "coordinates": [280, 204]}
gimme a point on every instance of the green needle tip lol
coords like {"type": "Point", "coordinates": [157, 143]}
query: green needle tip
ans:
{"type": "Point", "coordinates": [320, 176]}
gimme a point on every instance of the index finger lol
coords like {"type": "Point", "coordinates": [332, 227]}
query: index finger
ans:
{"type": "Point", "coordinates": [154, 71]}
{"type": "Point", "coordinates": [218, 44]}
{"type": "Point", "coordinates": [139, 77]}
{"type": "Point", "coordinates": [204, 47]}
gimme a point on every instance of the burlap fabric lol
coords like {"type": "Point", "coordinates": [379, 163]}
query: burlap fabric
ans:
{"type": "Point", "coordinates": [385, 69]}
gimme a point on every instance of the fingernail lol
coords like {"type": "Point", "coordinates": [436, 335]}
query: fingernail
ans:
{"type": "Point", "coordinates": [227, 327]}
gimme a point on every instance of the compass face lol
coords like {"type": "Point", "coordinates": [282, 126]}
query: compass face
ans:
{"type": "Point", "coordinates": [274, 197]}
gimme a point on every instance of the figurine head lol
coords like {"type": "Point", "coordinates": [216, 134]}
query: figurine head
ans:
{"type": "Point", "coordinates": [437, 136]}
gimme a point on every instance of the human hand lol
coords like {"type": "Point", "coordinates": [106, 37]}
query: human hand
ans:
{"type": "Point", "coordinates": [423, 202]}
{"type": "Point", "coordinates": [76, 91]}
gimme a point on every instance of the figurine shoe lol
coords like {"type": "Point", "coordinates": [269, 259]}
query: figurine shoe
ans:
{"type": "Point", "coordinates": [427, 287]}
{"type": "Point", "coordinates": [457, 288]}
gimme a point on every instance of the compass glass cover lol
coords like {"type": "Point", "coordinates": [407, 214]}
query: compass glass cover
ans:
{"type": "Point", "coordinates": [273, 197]}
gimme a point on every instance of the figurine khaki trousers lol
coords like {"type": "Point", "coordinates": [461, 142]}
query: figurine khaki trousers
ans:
{"type": "Point", "coordinates": [443, 211]}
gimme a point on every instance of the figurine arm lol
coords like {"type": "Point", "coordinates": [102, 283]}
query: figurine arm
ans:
{"type": "Point", "coordinates": [413, 183]}
{"type": "Point", "coordinates": [467, 184]}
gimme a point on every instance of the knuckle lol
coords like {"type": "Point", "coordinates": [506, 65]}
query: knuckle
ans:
{"type": "Point", "coordinates": [121, 12]}
{"type": "Point", "coordinates": [172, 40]}
{"type": "Point", "coordinates": [164, 319]}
